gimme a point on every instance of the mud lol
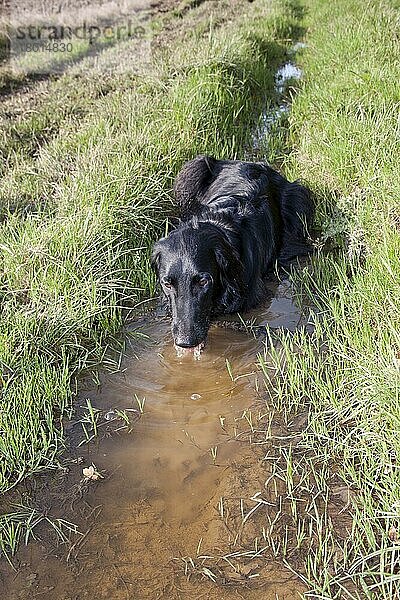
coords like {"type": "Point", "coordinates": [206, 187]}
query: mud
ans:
{"type": "Point", "coordinates": [176, 510]}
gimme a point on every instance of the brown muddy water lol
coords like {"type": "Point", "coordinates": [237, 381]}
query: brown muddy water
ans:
{"type": "Point", "coordinates": [173, 513]}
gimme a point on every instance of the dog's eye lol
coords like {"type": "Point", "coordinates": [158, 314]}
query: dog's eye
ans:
{"type": "Point", "coordinates": [167, 284]}
{"type": "Point", "coordinates": [203, 281]}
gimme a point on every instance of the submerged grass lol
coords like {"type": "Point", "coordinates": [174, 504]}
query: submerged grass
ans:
{"type": "Point", "coordinates": [22, 524]}
{"type": "Point", "coordinates": [344, 127]}
{"type": "Point", "coordinates": [87, 190]}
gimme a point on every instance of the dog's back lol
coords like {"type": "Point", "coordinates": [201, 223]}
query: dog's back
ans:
{"type": "Point", "coordinates": [237, 220]}
{"type": "Point", "coordinates": [205, 183]}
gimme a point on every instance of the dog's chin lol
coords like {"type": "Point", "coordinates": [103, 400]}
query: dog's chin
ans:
{"type": "Point", "coordinates": [195, 351]}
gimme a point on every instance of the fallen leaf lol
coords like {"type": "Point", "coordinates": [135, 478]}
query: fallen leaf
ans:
{"type": "Point", "coordinates": [90, 473]}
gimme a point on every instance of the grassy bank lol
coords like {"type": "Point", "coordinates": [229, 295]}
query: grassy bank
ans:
{"type": "Point", "coordinates": [86, 190]}
{"type": "Point", "coordinates": [344, 131]}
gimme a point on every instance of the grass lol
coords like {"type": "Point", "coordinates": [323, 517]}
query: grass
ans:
{"type": "Point", "coordinates": [87, 188]}
{"type": "Point", "coordinates": [22, 524]}
{"type": "Point", "coordinates": [32, 47]}
{"type": "Point", "coordinates": [86, 191]}
{"type": "Point", "coordinates": [343, 134]}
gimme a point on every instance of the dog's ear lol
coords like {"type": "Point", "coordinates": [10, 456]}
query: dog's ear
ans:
{"type": "Point", "coordinates": [155, 259]}
{"type": "Point", "coordinates": [231, 273]}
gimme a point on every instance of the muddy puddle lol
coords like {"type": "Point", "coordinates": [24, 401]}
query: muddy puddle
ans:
{"type": "Point", "coordinates": [171, 512]}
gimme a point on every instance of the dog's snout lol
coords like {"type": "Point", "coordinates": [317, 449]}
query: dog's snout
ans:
{"type": "Point", "coordinates": [185, 340]}
{"type": "Point", "coordinates": [183, 344]}
{"type": "Point", "coordinates": [187, 337]}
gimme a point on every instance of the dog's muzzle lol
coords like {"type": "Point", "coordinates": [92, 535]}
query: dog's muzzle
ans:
{"type": "Point", "coordinates": [194, 350]}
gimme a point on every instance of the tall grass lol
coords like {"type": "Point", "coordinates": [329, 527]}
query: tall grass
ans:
{"type": "Point", "coordinates": [344, 131]}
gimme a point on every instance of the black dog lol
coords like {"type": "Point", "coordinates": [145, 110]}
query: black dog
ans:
{"type": "Point", "coordinates": [238, 218]}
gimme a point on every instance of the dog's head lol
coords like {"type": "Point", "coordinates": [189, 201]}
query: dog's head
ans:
{"type": "Point", "coordinates": [200, 274]}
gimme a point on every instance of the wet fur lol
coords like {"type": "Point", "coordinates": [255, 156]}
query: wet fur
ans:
{"type": "Point", "coordinates": [237, 219]}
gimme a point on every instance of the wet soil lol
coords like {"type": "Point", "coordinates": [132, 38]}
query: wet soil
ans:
{"type": "Point", "coordinates": [176, 509]}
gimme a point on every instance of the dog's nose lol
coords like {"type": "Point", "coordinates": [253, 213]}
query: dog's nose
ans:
{"type": "Point", "coordinates": [184, 338]}
{"type": "Point", "coordinates": [183, 344]}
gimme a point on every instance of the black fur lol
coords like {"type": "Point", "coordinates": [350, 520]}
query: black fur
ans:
{"type": "Point", "coordinates": [237, 219]}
